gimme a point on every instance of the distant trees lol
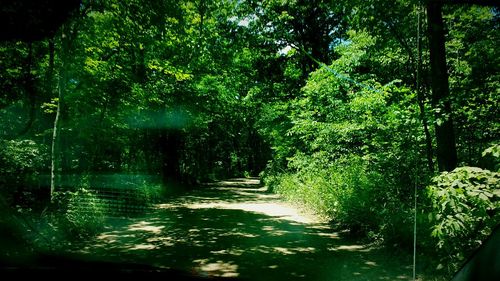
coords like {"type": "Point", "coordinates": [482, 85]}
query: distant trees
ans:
{"type": "Point", "coordinates": [156, 88]}
{"type": "Point", "coordinates": [320, 95]}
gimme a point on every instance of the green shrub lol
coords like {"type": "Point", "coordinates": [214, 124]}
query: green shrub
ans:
{"type": "Point", "coordinates": [345, 193]}
{"type": "Point", "coordinates": [356, 197]}
{"type": "Point", "coordinates": [148, 193]}
{"type": "Point", "coordinates": [85, 213]}
{"type": "Point", "coordinates": [79, 213]}
{"type": "Point", "coordinates": [352, 194]}
{"type": "Point", "coordinates": [20, 163]}
{"type": "Point", "coordinates": [491, 156]}
{"type": "Point", "coordinates": [465, 209]}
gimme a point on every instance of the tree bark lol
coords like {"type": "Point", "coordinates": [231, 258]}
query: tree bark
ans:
{"type": "Point", "coordinates": [421, 97]}
{"type": "Point", "coordinates": [53, 153]}
{"type": "Point", "coordinates": [61, 84]}
{"type": "Point", "coordinates": [170, 143]}
{"type": "Point", "coordinates": [445, 136]}
{"type": "Point", "coordinates": [50, 69]}
{"type": "Point", "coordinates": [29, 89]}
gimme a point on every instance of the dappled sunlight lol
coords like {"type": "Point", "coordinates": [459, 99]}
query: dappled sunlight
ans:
{"type": "Point", "coordinates": [282, 250]}
{"type": "Point", "coordinates": [333, 235]}
{"type": "Point", "coordinates": [142, 247]}
{"type": "Point", "coordinates": [218, 268]}
{"type": "Point", "coordinates": [350, 248]}
{"type": "Point", "coordinates": [280, 211]}
{"type": "Point", "coordinates": [145, 226]}
{"type": "Point", "coordinates": [232, 252]}
{"type": "Point", "coordinates": [238, 182]}
{"type": "Point", "coordinates": [113, 237]}
{"type": "Point", "coordinates": [110, 238]}
{"type": "Point", "coordinates": [166, 206]}
{"type": "Point", "coordinates": [217, 232]}
{"type": "Point", "coordinates": [294, 250]}
{"type": "Point", "coordinates": [273, 231]}
{"type": "Point", "coordinates": [241, 234]}
{"type": "Point", "coordinates": [241, 194]}
{"type": "Point", "coordinates": [162, 241]}
{"type": "Point", "coordinates": [250, 191]}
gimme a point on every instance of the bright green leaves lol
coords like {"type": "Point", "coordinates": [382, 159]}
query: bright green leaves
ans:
{"type": "Point", "coordinates": [93, 66]}
{"type": "Point", "coordinates": [50, 107]}
{"type": "Point", "coordinates": [166, 68]}
{"type": "Point", "coordinates": [20, 156]}
{"type": "Point", "coordinates": [22, 161]}
{"type": "Point", "coordinates": [493, 151]}
{"type": "Point", "coordinates": [339, 113]}
{"type": "Point", "coordinates": [465, 204]}
{"type": "Point", "coordinates": [354, 50]}
{"type": "Point", "coordinates": [348, 144]}
{"type": "Point", "coordinates": [474, 66]}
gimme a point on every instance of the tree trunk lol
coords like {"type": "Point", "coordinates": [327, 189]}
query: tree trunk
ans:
{"type": "Point", "coordinates": [53, 154]}
{"type": "Point", "coordinates": [170, 143]}
{"type": "Point", "coordinates": [29, 89]}
{"type": "Point", "coordinates": [50, 70]}
{"type": "Point", "coordinates": [421, 97]}
{"type": "Point", "coordinates": [61, 84]}
{"type": "Point", "coordinates": [445, 137]}
{"type": "Point", "coordinates": [201, 11]}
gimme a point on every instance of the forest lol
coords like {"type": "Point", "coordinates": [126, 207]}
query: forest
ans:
{"type": "Point", "coordinates": [380, 117]}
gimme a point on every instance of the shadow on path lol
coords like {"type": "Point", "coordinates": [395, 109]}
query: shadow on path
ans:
{"type": "Point", "coordinates": [235, 229]}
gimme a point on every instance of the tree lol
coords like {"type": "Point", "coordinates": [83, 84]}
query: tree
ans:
{"type": "Point", "coordinates": [445, 135]}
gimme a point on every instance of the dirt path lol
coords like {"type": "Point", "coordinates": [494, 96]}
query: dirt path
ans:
{"type": "Point", "coordinates": [235, 229]}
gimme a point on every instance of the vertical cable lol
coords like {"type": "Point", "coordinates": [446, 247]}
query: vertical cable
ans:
{"type": "Point", "coordinates": [415, 231]}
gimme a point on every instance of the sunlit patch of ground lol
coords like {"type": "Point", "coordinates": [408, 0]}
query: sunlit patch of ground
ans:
{"type": "Point", "coordinates": [143, 247]}
{"type": "Point", "coordinates": [239, 182]}
{"type": "Point", "coordinates": [270, 209]}
{"type": "Point", "coordinates": [253, 199]}
{"type": "Point", "coordinates": [236, 229]}
{"type": "Point", "coordinates": [217, 268]}
{"type": "Point", "coordinates": [145, 226]}
{"type": "Point", "coordinates": [241, 234]}
{"type": "Point", "coordinates": [350, 248]}
{"type": "Point", "coordinates": [235, 252]}
{"type": "Point", "coordinates": [163, 241]}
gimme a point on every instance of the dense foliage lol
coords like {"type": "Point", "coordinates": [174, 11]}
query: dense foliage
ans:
{"type": "Point", "coordinates": [322, 97]}
{"type": "Point", "coordinates": [465, 209]}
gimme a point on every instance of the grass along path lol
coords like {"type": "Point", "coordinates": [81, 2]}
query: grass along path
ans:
{"type": "Point", "coordinates": [234, 228]}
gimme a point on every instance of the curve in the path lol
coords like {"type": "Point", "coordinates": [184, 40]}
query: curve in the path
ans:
{"type": "Point", "coordinates": [235, 228]}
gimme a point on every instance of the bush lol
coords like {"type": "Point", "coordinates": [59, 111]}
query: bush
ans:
{"type": "Point", "coordinates": [147, 193]}
{"type": "Point", "coordinates": [491, 157]}
{"type": "Point", "coordinates": [356, 197]}
{"type": "Point", "coordinates": [352, 194]}
{"type": "Point", "coordinates": [79, 213]}
{"type": "Point", "coordinates": [85, 213]}
{"type": "Point", "coordinates": [345, 193]}
{"type": "Point", "coordinates": [465, 209]}
{"type": "Point", "coordinates": [20, 162]}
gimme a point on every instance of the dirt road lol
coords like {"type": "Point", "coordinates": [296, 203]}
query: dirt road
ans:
{"type": "Point", "coordinates": [235, 228]}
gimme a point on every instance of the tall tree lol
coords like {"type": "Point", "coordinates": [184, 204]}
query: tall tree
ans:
{"type": "Point", "coordinates": [445, 134]}
{"type": "Point", "coordinates": [446, 149]}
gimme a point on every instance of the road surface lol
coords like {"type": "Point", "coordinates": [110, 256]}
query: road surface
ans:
{"type": "Point", "coordinates": [235, 228]}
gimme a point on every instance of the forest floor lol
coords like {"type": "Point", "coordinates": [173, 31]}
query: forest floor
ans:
{"type": "Point", "coordinates": [235, 228]}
